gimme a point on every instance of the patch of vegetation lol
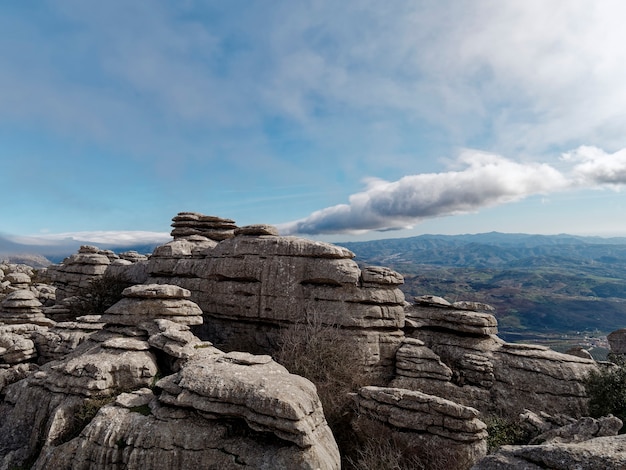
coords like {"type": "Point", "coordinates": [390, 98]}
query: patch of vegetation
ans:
{"type": "Point", "coordinates": [379, 448]}
{"type": "Point", "coordinates": [84, 414]}
{"type": "Point", "coordinates": [102, 293]}
{"type": "Point", "coordinates": [503, 431]}
{"type": "Point", "coordinates": [142, 409]}
{"type": "Point", "coordinates": [321, 353]}
{"type": "Point", "coordinates": [606, 389]}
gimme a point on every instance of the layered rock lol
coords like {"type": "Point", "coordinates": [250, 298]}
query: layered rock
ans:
{"type": "Point", "coordinates": [253, 286]}
{"type": "Point", "coordinates": [77, 271]}
{"type": "Point", "coordinates": [192, 223]}
{"type": "Point", "coordinates": [22, 306]}
{"type": "Point", "coordinates": [487, 373]}
{"type": "Point", "coordinates": [420, 421]}
{"type": "Point", "coordinates": [232, 410]}
{"type": "Point", "coordinates": [602, 453]}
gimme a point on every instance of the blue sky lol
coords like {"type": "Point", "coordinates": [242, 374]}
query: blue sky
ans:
{"type": "Point", "coordinates": [332, 120]}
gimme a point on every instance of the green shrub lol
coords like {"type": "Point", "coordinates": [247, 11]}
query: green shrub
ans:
{"type": "Point", "coordinates": [101, 294]}
{"type": "Point", "coordinates": [606, 390]}
{"type": "Point", "coordinates": [503, 431]}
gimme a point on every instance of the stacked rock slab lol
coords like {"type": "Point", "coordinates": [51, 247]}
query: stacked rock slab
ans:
{"type": "Point", "coordinates": [22, 306]}
{"type": "Point", "coordinates": [486, 372]}
{"type": "Point", "coordinates": [77, 271]}
{"type": "Point", "coordinates": [225, 410]}
{"type": "Point", "coordinates": [255, 284]}
{"type": "Point", "coordinates": [446, 434]}
{"type": "Point", "coordinates": [192, 223]}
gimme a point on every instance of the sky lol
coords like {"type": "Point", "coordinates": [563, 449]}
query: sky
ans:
{"type": "Point", "coordinates": [336, 121]}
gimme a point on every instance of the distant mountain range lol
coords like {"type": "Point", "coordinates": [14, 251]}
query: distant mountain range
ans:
{"type": "Point", "coordinates": [556, 283]}
{"type": "Point", "coordinates": [55, 252]}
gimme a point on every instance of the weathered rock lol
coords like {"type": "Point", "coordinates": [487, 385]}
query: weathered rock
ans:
{"type": "Point", "coordinates": [602, 453]}
{"type": "Point", "coordinates": [22, 306]}
{"type": "Point", "coordinates": [415, 360]}
{"type": "Point", "coordinates": [582, 430]}
{"type": "Point", "coordinates": [192, 223]}
{"type": "Point", "coordinates": [16, 348]}
{"type": "Point", "coordinates": [579, 351]}
{"type": "Point", "coordinates": [254, 286]}
{"type": "Point", "coordinates": [416, 419]}
{"type": "Point", "coordinates": [617, 341]}
{"type": "Point", "coordinates": [224, 409]}
{"type": "Point", "coordinates": [487, 373]}
{"type": "Point", "coordinates": [257, 230]}
{"type": "Point", "coordinates": [18, 280]}
{"type": "Point", "coordinates": [128, 434]}
{"type": "Point", "coordinates": [150, 301]}
{"type": "Point", "coordinates": [77, 271]}
{"type": "Point", "coordinates": [253, 388]}
{"type": "Point", "coordinates": [461, 321]}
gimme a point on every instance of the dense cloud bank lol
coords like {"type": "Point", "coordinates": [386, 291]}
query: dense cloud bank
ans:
{"type": "Point", "coordinates": [485, 180]}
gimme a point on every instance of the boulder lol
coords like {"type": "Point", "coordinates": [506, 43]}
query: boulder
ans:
{"type": "Point", "coordinates": [414, 419]}
{"type": "Point", "coordinates": [601, 453]}
{"type": "Point", "coordinates": [617, 341]}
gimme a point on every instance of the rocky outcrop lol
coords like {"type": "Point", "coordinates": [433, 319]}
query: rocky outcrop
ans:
{"type": "Point", "coordinates": [461, 358]}
{"type": "Point", "coordinates": [15, 277]}
{"type": "Point", "coordinates": [602, 453]}
{"type": "Point", "coordinates": [192, 223]}
{"type": "Point", "coordinates": [253, 285]}
{"type": "Point", "coordinates": [234, 410]}
{"type": "Point", "coordinates": [77, 271]}
{"type": "Point", "coordinates": [417, 420]}
{"type": "Point", "coordinates": [617, 341]}
{"type": "Point", "coordinates": [22, 306]}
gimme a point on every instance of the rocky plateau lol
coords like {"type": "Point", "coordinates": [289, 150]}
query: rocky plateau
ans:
{"type": "Point", "coordinates": [180, 372]}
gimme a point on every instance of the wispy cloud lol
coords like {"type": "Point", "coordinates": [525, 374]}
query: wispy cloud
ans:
{"type": "Point", "coordinates": [108, 238]}
{"type": "Point", "coordinates": [486, 180]}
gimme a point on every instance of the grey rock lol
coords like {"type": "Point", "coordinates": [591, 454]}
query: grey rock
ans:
{"type": "Point", "coordinates": [602, 453]}
{"type": "Point", "coordinates": [257, 230]}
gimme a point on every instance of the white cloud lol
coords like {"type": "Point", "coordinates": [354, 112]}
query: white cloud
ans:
{"type": "Point", "coordinates": [594, 166]}
{"type": "Point", "coordinates": [486, 180]}
{"type": "Point", "coordinates": [109, 238]}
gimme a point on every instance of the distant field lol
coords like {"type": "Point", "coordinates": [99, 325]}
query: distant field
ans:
{"type": "Point", "coordinates": [539, 285]}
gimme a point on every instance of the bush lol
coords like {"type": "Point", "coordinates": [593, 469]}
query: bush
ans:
{"type": "Point", "coordinates": [606, 390]}
{"type": "Point", "coordinates": [504, 432]}
{"type": "Point", "coordinates": [101, 294]}
{"type": "Point", "coordinates": [321, 353]}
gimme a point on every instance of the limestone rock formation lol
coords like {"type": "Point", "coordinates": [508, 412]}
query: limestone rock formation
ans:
{"type": "Point", "coordinates": [420, 420]}
{"type": "Point", "coordinates": [78, 270]}
{"type": "Point", "coordinates": [486, 373]}
{"type": "Point", "coordinates": [232, 410]}
{"type": "Point", "coordinates": [601, 453]}
{"type": "Point", "coordinates": [22, 306]}
{"type": "Point", "coordinates": [617, 341]}
{"type": "Point", "coordinates": [254, 285]}
{"type": "Point", "coordinates": [211, 227]}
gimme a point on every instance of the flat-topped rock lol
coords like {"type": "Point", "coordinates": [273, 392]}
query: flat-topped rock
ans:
{"type": "Point", "coordinates": [257, 230]}
{"type": "Point", "coordinates": [156, 291]}
{"type": "Point", "coordinates": [187, 224]}
{"type": "Point", "coordinates": [416, 420]}
{"type": "Point", "coordinates": [263, 393]}
{"type": "Point", "coordinates": [601, 453]}
{"type": "Point", "coordinates": [462, 321]}
{"type": "Point", "coordinates": [22, 306]}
